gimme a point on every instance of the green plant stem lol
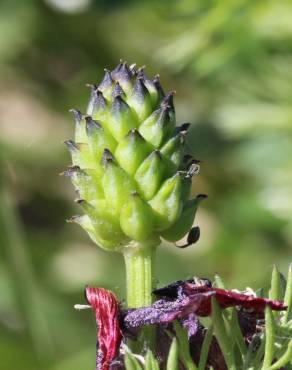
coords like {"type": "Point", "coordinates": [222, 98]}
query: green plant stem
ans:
{"type": "Point", "coordinates": [139, 260]}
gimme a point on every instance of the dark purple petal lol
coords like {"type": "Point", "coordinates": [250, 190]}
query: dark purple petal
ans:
{"type": "Point", "coordinates": [191, 324]}
{"type": "Point", "coordinates": [165, 311]}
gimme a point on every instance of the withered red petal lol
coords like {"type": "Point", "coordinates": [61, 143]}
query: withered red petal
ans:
{"type": "Point", "coordinates": [228, 298]}
{"type": "Point", "coordinates": [106, 308]}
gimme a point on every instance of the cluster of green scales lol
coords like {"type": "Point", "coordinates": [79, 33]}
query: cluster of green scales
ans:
{"type": "Point", "coordinates": [130, 167]}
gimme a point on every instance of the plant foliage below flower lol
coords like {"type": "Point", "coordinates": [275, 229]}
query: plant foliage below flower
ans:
{"type": "Point", "coordinates": [244, 332]}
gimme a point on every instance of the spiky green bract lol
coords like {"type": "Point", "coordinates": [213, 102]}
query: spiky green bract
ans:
{"type": "Point", "coordinates": [129, 166]}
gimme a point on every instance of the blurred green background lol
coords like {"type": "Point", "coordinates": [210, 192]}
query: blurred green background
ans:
{"type": "Point", "coordinates": [230, 63]}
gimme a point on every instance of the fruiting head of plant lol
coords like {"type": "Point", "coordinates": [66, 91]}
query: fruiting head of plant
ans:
{"type": "Point", "coordinates": [130, 168]}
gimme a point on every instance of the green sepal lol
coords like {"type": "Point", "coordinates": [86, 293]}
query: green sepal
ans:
{"type": "Point", "coordinates": [167, 204]}
{"type": "Point", "coordinates": [158, 127]}
{"type": "Point", "coordinates": [136, 218]}
{"type": "Point", "coordinates": [86, 182]}
{"type": "Point", "coordinates": [132, 151]}
{"type": "Point", "coordinates": [150, 174]}
{"type": "Point", "coordinates": [117, 185]}
{"type": "Point", "coordinates": [104, 221]}
{"type": "Point", "coordinates": [98, 139]}
{"type": "Point", "coordinates": [140, 100]}
{"type": "Point", "coordinates": [85, 222]}
{"type": "Point", "coordinates": [122, 118]}
{"type": "Point", "coordinates": [185, 221]}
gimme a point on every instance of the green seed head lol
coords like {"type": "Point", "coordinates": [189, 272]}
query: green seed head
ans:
{"type": "Point", "coordinates": [130, 167]}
